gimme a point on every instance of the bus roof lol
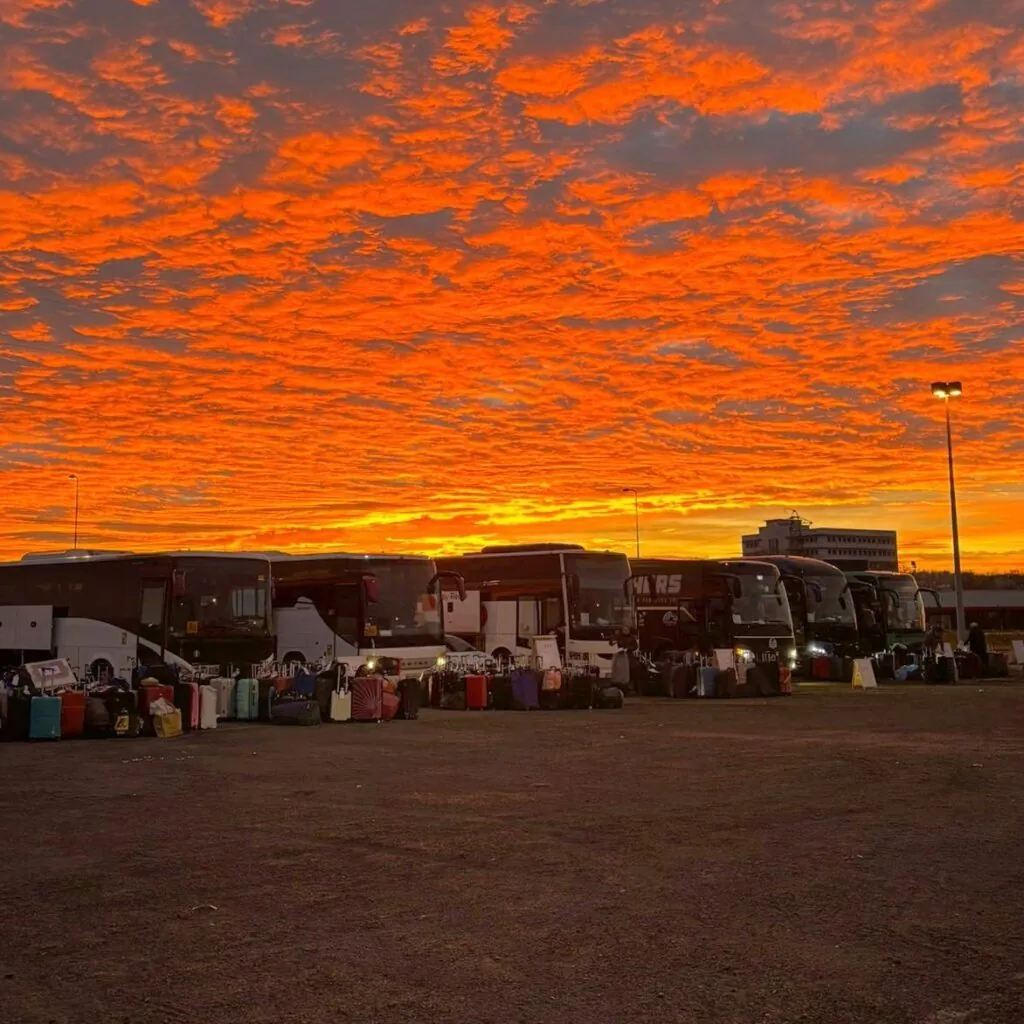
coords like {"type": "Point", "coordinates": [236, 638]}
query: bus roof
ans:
{"type": "Point", "coordinates": [800, 565]}
{"type": "Point", "coordinates": [642, 566]}
{"type": "Point", "coordinates": [513, 550]}
{"type": "Point", "coordinates": [84, 557]}
{"type": "Point", "coordinates": [277, 556]}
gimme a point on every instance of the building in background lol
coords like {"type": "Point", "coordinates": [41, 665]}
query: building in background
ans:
{"type": "Point", "coordinates": [844, 548]}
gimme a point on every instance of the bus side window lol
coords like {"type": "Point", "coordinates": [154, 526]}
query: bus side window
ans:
{"type": "Point", "coordinates": [552, 616]}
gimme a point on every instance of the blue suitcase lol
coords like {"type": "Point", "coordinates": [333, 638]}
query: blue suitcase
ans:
{"type": "Point", "coordinates": [706, 683]}
{"type": "Point", "coordinates": [247, 700]}
{"type": "Point", "coordinates": [525, 689]}
{"type": "Point", "coordinates": [44, 719]}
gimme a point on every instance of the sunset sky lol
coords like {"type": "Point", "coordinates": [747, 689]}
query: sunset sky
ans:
{"type": "Point", "coordinates": [416, 276]}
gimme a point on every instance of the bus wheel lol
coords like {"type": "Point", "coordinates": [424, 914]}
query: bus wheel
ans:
{"type": "Point", "coordinates": [293, 660]}
{"type": "Point", "coordinates": [501, 654]}
{"type": "Point", "coordinates": [101, 670]}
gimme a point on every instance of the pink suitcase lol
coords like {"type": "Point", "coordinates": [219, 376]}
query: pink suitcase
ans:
{"type": "Point", "coordinates": [367, 698]}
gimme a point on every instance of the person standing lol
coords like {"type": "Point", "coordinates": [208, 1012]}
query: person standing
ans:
{"type": "Point", "coordinates": [978, 644]}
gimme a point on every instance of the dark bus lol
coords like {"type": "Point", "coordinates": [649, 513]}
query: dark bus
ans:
{"type": "Point", "coordinates": [356, 609]}
{"type": "Point", "coordinates": [824, 613]}
{"type": "Point", "coordinates": [518, 592]}
{"type": "Point", "coordinates": [106, 612]}
{"type": "Point", "coordinates": [699, 606]}
{"type": "Point", "coordinates": [890, 610]}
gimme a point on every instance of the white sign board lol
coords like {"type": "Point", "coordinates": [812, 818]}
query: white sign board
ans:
{"type": "Point", "coordinates": [1018, 652]}
{"type": "Point", "coordinates": [545, 652]}
{"type": "Point", "coordinates": [864, 675]}
{"type": "Point", "coordinates": [51, 675]}
{"type": "Point", "coordinates": [725, 658]}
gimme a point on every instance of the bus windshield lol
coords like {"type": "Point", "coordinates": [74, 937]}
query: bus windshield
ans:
{"type": "Point", "coordinates": [835, 608]}
{"type": "Point", "coordinates": [405, 614]}
{"type": "Point", "coordinates": [602, 606]}
{"type": "Point", "coordinates": [908, 615]}
{"type": "Point", "coordinates": [761, 601]}
{"type": "Point", "coordinates": [221, 595]}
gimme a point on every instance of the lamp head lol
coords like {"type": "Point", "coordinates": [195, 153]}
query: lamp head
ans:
{"type": "Point", "coordinates": [72, 476]}
{"type": "Point", "coordinates": [939, 389]}
{"type": "Point", "coordinates": [954, 389]}
{"type": "Point", "coordinates": [947, 389]}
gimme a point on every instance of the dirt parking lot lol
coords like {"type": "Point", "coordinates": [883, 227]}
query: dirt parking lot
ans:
{"type": "Point", "coordinates": [835, 857]}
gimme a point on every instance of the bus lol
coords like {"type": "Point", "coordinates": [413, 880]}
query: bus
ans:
{"type": "Point", "coordinates": [106, 612]}
{"type": "Point", "coordinates": [890, 610]}
{"type": "Point", "coordinates": [515, 593]}
{"type": "Point", "coordinates": [824, 612]}
{"type": "Point", "coordinates": [703, 605]}
{"type": "Point", "coordinates": [359, 609]}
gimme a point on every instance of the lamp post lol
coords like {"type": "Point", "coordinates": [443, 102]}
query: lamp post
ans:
{"type": "Point", "coordinates": [636, 509]}
{"type": "Point", "coordinates": [74, 476]}
{"type": "Point", "coordinates": [947, 390]}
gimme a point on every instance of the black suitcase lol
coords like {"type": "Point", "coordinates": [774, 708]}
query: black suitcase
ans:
{"type": "Point", "coordinates": [610, 697]}
{"type": "Point", "coordinates": [325, 685]}
{"type": "Point", "coordinates": [123, 709]}
{"type": "Point", "coordinates": [296, 712]}
{"type": "Point", "coordinates": [18, 717]}
{"type": "Point", "coordinates": [408, 699]}
{"type": "Point", "coordinates": [453, 692]}
{"type": "Point", "coordinates": [184, 696]}
{"type": "Point", "coordinates": [268, 694]}
{"type": "Point", "coordinates": [499, 690]}
{"type": "Point", "coordinates": [682, 681]}
{"type": "Point", "coordinates": [580, 692]}
{"type": "Point", "coordinates": [97, 718]}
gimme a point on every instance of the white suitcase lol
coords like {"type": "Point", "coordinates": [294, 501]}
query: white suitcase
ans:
{"type": "Point", "coordinates": [225, 696]}
{"type": "Point", "coordinates": [207, 707]}
{"type": "Point", "coordinates": [341, 706]}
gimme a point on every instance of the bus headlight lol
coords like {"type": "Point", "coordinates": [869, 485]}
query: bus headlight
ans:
{"type": "Point", "coordinates": [371, 664]}
{"type": "Point", "coordinates": [442, 660]}
{"type": "Point", "coordinates": [816, 650]}
{"type": "Point", "coordinates": [744, 654]}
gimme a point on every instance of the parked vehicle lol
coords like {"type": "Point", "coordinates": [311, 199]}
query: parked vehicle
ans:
{"type": "Point", "coordinates": [890, 611]}
{"type": "Point", "coordinates": [518, 593]}
{"type": "Point", "coordinates": [107, 612]}
{"type": "Point", "coordinates": [360, 610]}
{"type": "Point", "coordinates": [824, 615]}
{"type": "Point", "coordinates": [699, 606]}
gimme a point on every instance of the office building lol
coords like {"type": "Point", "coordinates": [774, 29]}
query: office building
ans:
{"type": "Point", "coordinates": [846, 548]}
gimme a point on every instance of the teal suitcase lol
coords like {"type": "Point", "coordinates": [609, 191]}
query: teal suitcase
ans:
{"type": "Point", "coordinates": [44, 719]}
{"type": "Point", "coordinates": [247, 700]}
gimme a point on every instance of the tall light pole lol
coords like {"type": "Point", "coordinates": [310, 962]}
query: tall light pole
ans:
{"type": "Point", "coordinates": [74, 476]}
{"type": "Point", "coordinates": [636, 509]}
{"type": "Point", "coordinates": [947, 390]}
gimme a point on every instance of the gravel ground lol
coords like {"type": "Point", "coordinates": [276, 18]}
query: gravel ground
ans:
{"type": "Point", "coordinates": [835, 857]}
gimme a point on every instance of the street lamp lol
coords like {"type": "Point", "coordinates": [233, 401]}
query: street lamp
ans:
{"type": "Point", "coordinates": [947, 390]}
{"type": "Point", "coordinates": [636, 508]}
{"type": "Point", "coordinates": [74, 476]}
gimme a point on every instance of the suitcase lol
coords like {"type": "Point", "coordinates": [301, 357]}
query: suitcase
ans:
{"type": "Point", "coordinates": [500, 693]}
{"type": "Point", "coordinates": [97, 717]}
{"type": "Point", "coordinates": [525, 690]}
{"type": "Point", "coordinates": [207, 706]}
{"type": "Point", "coordinates": [367, 699]}
{"type": "Point", "coordinates": [725, 683]}
{"type": "Point", "coordinates": [303, 684]}
{"type": "Point", "coordinates": [325, 688]}
{"type": "Point", "coordinates": [390, 703]}
{"type": "Point", "coordinates": [225, 696]}
{"type": "Point", "coordinates": [247, 700]}
{"type": "Point", "coordinates": [72, 713]}
{"type": "Point", "coordinates": [707, 677]}
{"type": "Point", "coordinates": [295, 712]}
{"type": "Point", "coordinates": [44, 718]}
{"type": "Point", "coordinates": [408, 699]}
{"type": "Point", "coordinates": [821, 668]}
{"type": "Point", "coordinates": [610, 697]}
{"type": "Point", "coordinates": [682, 681]}
{"type": "Point", "coordinates": [453, 692]}
{"type": "Point", "coordinates": [266, 693]}
{"type": "Point", "coordinates": [341, 706]}
{"type": "Point", "coordinates": [18, 718]}
{"type": "Point", "coordinates": [186, 700]}
{"type": "Point", "coordinates": [785, 682]}
{"type": "Point", "coordinates": [476, 693]}
{"type": "Point", "coordinates": [580, 692]}
{"type": "Point", "coordinates": [123, 709]}
{"type": "Point", "coordinates": [552, 680]}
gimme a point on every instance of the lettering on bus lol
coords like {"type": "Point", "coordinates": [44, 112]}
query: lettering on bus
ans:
{"type": "Point", "coordinates": [664, 585]}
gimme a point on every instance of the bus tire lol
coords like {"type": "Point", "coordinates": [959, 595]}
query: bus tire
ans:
{"type": "Point", "coordinates": [501, 654]}
{"type": "Point", "coordinates": [293, 658]}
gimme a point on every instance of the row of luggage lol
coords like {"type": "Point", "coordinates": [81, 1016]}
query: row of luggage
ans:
{"type": "Point", "coordinates": [682, 681]}
{"type": "Point", "coordinates": [522, 689]}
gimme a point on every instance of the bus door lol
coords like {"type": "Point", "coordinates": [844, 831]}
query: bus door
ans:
{"type": "Point", "coordinates": [153, 605]}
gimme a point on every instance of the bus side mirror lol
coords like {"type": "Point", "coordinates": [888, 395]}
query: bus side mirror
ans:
{"type": "Point", "coordinates": [815, 589]}
{"type": "Point", "coordinates": [371, 589]}
{"type": "Point", "coordinates": [457, 578]}
{"type": "Point", "coordinates": [178, 588]}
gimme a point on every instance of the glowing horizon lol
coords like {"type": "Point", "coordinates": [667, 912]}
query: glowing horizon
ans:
{"type": "Point", "coordinates": [418, 277]}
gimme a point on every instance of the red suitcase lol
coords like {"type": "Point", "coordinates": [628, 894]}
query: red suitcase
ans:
{"type": "Point", "coordinates": [367, 699]}
{"type": "Point", "coordinates": [149, 692]}
{"type": "Point", "coordinates": [72, 713]}
{"type": "Point", "coordinates": [821, 668]}
{"type": "Point", "coordinates": [390, 703]}
{"type": "Point", "coordinates": [476, 693]}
